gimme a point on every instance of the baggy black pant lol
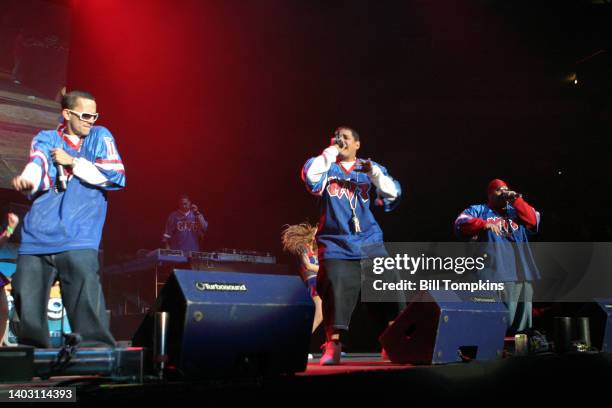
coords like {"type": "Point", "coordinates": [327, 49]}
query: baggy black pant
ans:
{"type": "Point", "coordinates": [339, 285]}
{"type": "Point", "coordinates": [82, 297]}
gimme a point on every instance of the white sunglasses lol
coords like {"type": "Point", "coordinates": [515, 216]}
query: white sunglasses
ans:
{"type": "Point", "coordinates": [87, 117]}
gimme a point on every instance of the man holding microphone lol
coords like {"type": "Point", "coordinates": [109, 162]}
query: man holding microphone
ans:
{"type": "Point", "coordinates": [70, 171]}
{"type": "Point", "coordinates": [185, 227]}
{"type": "Point", "coordinates": [346, 225]}
{"type": "Point", "coordinates": [504, 223]}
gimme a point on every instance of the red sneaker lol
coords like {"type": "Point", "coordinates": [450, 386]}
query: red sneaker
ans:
{"type": "Point", "coordinates": [331, 355]}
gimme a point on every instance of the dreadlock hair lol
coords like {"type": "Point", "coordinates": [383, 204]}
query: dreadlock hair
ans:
{"type": "Point", "coordinates": [298, 238]}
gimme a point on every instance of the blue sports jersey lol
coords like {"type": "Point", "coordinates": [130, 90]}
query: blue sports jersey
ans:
{"type": "Point", "coordinates": [342, 190]}
{"type": "Point", "coordinates": [510, 262]}
{"type": "Point", "coordinates": [183, 231]}
{"type": "Point", "coordinates": [73, 219]}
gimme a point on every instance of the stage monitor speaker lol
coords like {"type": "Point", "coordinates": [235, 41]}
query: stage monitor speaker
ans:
{"type": "Point", "coordinates": [445, 327]}
{"type": "Point", "coordinates": [602, 325]}
{"type": "Point", "coordinates": [599, 313]}
{"type": "Point", "coordinates": [231, 323]}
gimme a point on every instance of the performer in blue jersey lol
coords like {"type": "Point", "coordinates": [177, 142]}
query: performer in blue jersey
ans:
{"type": "Point", "coordinates": [185, 227]}
{"type": "Point", "coordinates": [70, 172]}
{"type": "Point", "coordinates": [346, 225]}
{"type": "Point", "coordinates": [505, 223]}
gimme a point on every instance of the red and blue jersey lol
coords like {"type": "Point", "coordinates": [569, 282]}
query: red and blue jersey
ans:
{"type": "Point", "coordinates": [342, 191]}
{"type": "Point", "coordinates": [304, 271]}
{"type": "Point", "coordinates": [183, 231]}
{"type": "Point", "coordinates": [73, 219]}
{"type": "Point", "coordinates": [512, 259]}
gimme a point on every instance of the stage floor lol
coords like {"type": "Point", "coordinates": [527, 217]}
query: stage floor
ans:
{"type": "Point", "coordinates": [354, 362]}
{"type": "Point", "coordinates": [358, 373]}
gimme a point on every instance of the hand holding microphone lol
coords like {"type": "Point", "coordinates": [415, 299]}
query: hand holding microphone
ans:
{"type": "Point", "coordinates": [510, 195]}
{"type": "Point", "coordinates": [61, 159]}
{"type": "Point", "coordinates": [195, 210]}
{"type": "Point", "coordinates": [337, 141]}
{"type": "Point", "coordinates": [200, 217]}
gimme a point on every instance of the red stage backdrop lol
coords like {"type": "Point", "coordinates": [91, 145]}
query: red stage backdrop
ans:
{"type": "Point", "coordinates": [225, 100]}
{"type": "Point", "coordinates": [220, 100]}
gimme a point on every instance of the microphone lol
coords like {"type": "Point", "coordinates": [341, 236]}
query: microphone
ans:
{"type": "Point", "coordinates": [338, 139]}
{"type": "Point", "coordinates": [195, 209]}
{"type": "Point", "coordinates": [511, 197]}
{"type": "Point", "coordinates": [61, 177]}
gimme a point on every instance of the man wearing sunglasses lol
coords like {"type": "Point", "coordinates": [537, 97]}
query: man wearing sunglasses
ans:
{"type": "Point", "coordinates": [61, 233]}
